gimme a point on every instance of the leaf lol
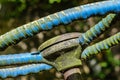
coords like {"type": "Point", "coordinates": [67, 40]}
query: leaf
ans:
{"type": "Point", "coordinates": [52, 1]}
{"type": "Point", "coordinates": [104, 64]}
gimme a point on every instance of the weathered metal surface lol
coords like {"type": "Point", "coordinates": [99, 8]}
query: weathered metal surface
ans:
{"type": "Point", "coordinates": [58, 39]}
{"type": "Point", "coordinates": [73, 74]}
{"type": "Point", "coordinates": [63, 51]}
{"type": "Point", "coordinates": [68, 60]}
{"type": "Point", "coordinates": [59, 43]}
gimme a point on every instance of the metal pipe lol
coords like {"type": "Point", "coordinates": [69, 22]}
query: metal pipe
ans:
{"type": "Point", "coordinates": [73, 74]}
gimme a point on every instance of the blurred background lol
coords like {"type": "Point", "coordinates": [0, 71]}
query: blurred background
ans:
{"type": "Point", "coordinates": [14, 13]}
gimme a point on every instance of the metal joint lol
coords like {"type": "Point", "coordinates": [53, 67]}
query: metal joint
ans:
{"type": "Point", "coordinates": [63, 51]}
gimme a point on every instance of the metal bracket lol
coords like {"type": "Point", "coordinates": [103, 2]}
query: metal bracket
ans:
{"type": "Point", "coordinates": [68, 60]}
{"type": "Point", "coordinates": [62, 52]}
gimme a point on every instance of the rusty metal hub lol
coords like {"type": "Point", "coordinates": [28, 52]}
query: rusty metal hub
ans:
{"type": "Point", "coordinates": [63, 51]}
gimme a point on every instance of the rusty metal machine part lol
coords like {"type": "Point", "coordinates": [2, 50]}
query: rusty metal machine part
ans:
{"type": "Point", "coordinates": [63, 52]}
{"type": "Point", "coordinates": [60, 48]}
{"type": "Point", "coordinates": [59, 43]}
{"type": "Point", "coordinates": [72, 72]}
{"type": "Point", "coordinates": [58, 39]}
{"type": "Point", "coordinates": [68, 59]}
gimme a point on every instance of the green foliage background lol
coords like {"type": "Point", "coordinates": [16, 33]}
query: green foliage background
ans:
{"type": "Point", "coordinates": [14, 13]}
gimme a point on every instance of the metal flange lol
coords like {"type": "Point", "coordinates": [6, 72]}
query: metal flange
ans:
{"type": "Point", "coordinates": [63, 51]}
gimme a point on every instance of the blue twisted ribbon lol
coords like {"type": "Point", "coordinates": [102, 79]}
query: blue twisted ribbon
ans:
{"type": "Point", "coordinates": [22, 58]}
{"type": "Point", "coordinates": [23, 70]}
{"type": "Point", "coordinates": [62, 17]}
{"type": "Point", "coordinates": [103, 45]}
{"type": "Point", "coordinates": [96, 30]}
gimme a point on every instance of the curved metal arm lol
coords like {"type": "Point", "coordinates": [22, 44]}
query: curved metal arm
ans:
{"type": "Point", "coordinates": [23, 70]}
{"type": "Point", "coordinates": [105, 44]}
{"type": "Point", "coordinates": [47, 23]}
{"type": "Point", "coordinates": [63, 17]}
{"type": "Point", "coordinates": [21, 58]}
{"type": "Point", "coordinates": [96, 30]}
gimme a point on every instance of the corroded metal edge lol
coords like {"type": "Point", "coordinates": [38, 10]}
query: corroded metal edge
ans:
{"type": "Point", "coordinates": [58, 39]}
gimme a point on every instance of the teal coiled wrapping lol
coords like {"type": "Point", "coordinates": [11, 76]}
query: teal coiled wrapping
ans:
{"type": "Point", "coordinates": [63, 17]}
{"type": "Point", "coordinates": [47, 23]}
{"type": "Point", "coordinates": [105, 44]}
{"type": "Point", "coordinates": [96, 30]}
{"type": "Point", "coordinates": [24, 70]}
{"type": "Point", "coordinates": [23, 58]}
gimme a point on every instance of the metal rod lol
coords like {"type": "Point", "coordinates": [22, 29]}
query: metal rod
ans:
{"type": "Point", "coordinates": [73, 74]}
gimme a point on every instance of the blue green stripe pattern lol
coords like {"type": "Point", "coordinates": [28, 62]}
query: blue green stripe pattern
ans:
{"type": "Point", "coordinates": [22, 58]}
{"type": "Point", "coordinates": [103, 45]}
{"type": "Point", "coordinates": [47, 23]}
{"type": "Point", "coordinates": [62, 17]}
{"type": "Point", "coordinates": [23, 70]}
{"type": "Point", "coordinates": [96, 30]}
{"type": "Point", "coordinates": [32, 60]}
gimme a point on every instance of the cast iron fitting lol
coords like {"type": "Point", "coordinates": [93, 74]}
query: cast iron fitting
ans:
{"type": "Point", "coordinates": [59, 43]}
{"type": "Point", "coordinates": [62, 52]}
{"type": "Point", "coordinates": [73, 74]}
